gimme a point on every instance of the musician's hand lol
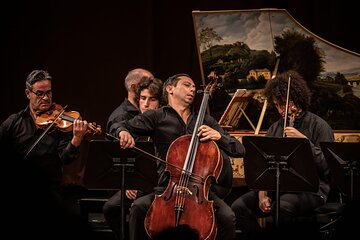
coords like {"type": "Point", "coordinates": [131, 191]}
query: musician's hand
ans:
{"type": "Point", "coordinates": [80, 128]}
{"type": "Point", "coordinates": [126, 140]}
{"type": "Point", "coordinates": [131, 194]}
{"type": "Point", "coordinates": [293, 132]}
{"type": "Point", "coordinates": [264, 202]}
{"type": "Point", "coordinates": [212, 75]}
{"type": "Point", "coordinates": [206, 133]}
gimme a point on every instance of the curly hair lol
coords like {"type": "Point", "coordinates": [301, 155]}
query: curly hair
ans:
{"type": "Point", "coordinates": [276, 90]}
{"type": "Point", "coordinates": [154, 85]}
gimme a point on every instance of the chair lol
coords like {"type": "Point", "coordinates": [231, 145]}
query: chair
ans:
{"type": "Point", "coordinates": [324, 219]}
{"type": "Point", "coordinates": [91, 209]}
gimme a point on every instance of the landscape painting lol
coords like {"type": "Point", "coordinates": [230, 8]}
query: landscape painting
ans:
{"type": "Point", "coordinates": [246, 48]}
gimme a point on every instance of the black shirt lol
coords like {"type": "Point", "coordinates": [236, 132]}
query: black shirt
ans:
{"type": "Point", "coordinates": [164, 125]}
{"type": "Point", "coordinates": [19, 132]}
{"type": "Point", "coordinates": [316, 130]}
{"type": "Point", "coordinates": [126, 110]}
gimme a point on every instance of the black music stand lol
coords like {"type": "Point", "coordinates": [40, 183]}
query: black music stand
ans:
{"type": "Point", "coordinates": [279, 164]}
{"type": "Point", "coordinates": [111, 167]}
{"type": "Point", "coordinates": [344, 162]}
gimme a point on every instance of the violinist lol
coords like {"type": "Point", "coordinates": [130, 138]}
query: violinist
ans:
{"type": "Point", "coordinates": [38, 168]}
{"type": "Point", "coordinates": [302, 124]}
{"type": "Point", "coordinates": [164, 125]}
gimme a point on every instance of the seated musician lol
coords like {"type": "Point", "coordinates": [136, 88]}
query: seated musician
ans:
{"type": "Point", "coordinates": [144, 93]}
{"type": "Point", "coordinates": [164, 125]}
{"type": "Point", "coordinates": [254, 204]}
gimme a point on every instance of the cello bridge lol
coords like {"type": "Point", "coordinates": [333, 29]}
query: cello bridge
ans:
{"type": "Point", "coordinates": [183, 190]}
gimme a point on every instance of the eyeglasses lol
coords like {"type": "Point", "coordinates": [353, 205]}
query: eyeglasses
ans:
{"type": "Point", "coordinates": [41, 94]}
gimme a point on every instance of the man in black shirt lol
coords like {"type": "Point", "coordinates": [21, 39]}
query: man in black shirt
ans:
{"type": "Point", "coordinates": [128, 109]}
{"type": "Point", "coordinates": [166, 124]}
{"type": "Point", "coordinates": [34, 159]}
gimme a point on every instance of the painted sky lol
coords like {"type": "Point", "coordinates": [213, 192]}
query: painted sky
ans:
{"type": "Point", "coordinates": [256, 28]}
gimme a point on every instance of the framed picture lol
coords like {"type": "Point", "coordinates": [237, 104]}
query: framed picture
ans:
{"type": "Point", "coordinates": [246, 48]}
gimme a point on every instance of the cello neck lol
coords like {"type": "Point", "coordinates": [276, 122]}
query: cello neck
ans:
{"type": "Point", "coordinates": [190, 157]}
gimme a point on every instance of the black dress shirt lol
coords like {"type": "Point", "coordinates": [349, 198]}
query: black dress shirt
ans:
{"type": "Point", "coordinates": [316, 130]}
{"type": "Point", "coordinates": [123, 112]}
{"type": "Point", "coordinates": [164, 125]}
{"type": "Point", "coordinates": [19, 132]}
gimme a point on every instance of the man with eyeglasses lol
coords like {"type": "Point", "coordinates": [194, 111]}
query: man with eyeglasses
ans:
{"type": "Point", "coordinates": [41, 94]}
{"type": "Point", "coordinates": [34, 157]}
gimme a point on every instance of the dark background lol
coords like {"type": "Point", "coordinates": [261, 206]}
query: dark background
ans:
{"type": "Point", "coordinates": [88, 47]}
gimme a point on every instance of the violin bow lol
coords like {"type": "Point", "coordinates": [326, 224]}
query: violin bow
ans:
{"type": "Point", "coordinates": [287, 104]}
{"type": "Point", "coordinates": [153, 157]}
{"type": "Point", "coordinates": [43, 134]}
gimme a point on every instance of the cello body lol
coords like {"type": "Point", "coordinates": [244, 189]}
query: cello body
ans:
{"type": "Point", "coordinates": [197, 210]}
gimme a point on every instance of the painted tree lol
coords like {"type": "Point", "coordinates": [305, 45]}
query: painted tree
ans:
{"type": "Point", "coordinates": [208, 37]}
{"type": "Point", "coordinates": [300, 53]}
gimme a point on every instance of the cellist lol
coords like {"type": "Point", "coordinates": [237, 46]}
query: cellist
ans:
{"type": "Point", "coordinates": [166, 124]}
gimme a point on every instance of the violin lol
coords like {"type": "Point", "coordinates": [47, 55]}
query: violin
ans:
{"type": "Point", "coordinates": [294, 113]}
{"type": "Point", "coordinates": [58, 117]}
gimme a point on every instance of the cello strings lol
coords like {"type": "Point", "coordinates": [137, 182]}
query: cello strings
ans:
{"type": "Point", "coordinates": [153, 157]}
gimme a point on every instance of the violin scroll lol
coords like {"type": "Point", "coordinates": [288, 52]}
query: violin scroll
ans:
{"type": "Point", "coordinates": [294, 113]}
{"type": "Point", "coordinates": [95, 128]}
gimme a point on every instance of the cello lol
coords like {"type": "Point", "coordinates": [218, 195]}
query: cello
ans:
{"type": "Point", "coordinates": [185, 199]}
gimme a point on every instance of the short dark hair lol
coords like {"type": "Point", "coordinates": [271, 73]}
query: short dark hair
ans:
{"type": "Point", "coordinates": [154, 85]}
{"type": "Point", "coordinates": [35, 76]}
{"type": "Point", "coordinates": [172, 81]}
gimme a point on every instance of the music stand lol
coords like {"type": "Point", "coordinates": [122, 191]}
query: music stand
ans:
{"type": "Point", "coordinates": [343, 159]}
{"type": "Point", "coordinates": [111, 167]}
{"type": "Point", "coordinates": [279, 164]}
